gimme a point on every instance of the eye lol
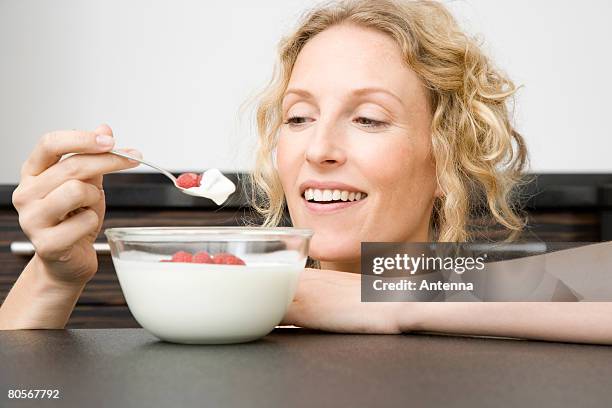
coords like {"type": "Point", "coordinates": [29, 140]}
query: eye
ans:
{"type": "Point", "coordinates": [297, 120]}
{"type": "Point", "coordinates": [367, 122]}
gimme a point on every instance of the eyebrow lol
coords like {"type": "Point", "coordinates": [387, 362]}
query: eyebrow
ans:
{"type": "Point", "coordinates": [297, 91]}
{"type": "Point", "coordinates": [370, 90]}
{"type": "Point", "coordinates": [356, 92]}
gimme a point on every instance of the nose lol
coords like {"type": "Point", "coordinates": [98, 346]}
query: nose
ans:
{"type": "Point", "coordinates": [325, 148]}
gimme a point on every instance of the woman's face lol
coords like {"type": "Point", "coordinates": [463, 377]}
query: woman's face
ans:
{"type": "Point", "coordinates": [354, 151]}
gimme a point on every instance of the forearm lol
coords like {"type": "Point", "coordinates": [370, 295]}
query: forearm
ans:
{"type": "Point", "coordinates": [584, 322]}
{"type": "Point", "coordinates": [38, 302]}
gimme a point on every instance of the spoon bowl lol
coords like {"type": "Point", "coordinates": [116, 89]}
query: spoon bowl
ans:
{"type": "Point", "coordinates": [217, 187]}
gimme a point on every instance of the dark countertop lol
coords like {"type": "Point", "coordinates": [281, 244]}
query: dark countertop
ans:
{"type": "Point", "coordinates": [545, 190]}
{"type": "Point", "coordinates": [295, 367]}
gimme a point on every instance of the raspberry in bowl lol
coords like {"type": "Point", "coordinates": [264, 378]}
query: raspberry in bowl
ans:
{"type": "Point", "coordinates": [208, 285]}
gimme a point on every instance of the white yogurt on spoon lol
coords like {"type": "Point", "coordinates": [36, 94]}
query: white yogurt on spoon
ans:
{"type": "Point", "coordinates": [214, 186]}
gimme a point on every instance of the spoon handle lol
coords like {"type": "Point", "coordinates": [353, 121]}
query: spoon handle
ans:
{"type": "Point", "coordinates": [146, 163]}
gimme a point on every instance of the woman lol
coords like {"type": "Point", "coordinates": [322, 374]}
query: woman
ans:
{"type": "Point", "coordinates": [385, 104]}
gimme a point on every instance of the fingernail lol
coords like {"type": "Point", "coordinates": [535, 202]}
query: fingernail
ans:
{"type": "Point", "coordinates": [105, 140]}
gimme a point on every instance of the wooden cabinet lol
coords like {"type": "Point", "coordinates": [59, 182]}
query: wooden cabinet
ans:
{"type": "Point", "coordinates": [560, 208]}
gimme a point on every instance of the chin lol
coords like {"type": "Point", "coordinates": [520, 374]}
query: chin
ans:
{"type": "Point", "coordinates": [331, 248]}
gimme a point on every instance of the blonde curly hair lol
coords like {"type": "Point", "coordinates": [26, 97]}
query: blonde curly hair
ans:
{"type": "Point", "coordinates": [479, 156]}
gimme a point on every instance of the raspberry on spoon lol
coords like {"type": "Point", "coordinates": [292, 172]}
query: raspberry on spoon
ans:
{"type": "Point", "coordinates": [188, 180]}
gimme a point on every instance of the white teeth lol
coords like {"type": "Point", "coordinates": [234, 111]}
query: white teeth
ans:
{"type": "Point", "coordinates": [327, 195]}
{"type": "Point", "coordinates": [332, 195]}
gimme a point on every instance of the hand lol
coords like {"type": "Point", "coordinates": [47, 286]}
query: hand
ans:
{"type": "Point", "coordinates": [61, 202]}
{"type": "Point", "coordinates": [331, 301]}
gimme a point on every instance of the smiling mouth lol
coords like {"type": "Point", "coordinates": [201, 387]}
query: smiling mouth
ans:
{"type": "Point", "coordinates": [328, 196]}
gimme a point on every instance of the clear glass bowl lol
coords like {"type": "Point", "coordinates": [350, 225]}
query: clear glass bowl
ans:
{"type": "Point", "coordinates": [203, 302]}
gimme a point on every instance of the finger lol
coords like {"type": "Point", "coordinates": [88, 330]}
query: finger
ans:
{"type": "Point", "coordinates": [56, 242]}
{"type": "Point", "coordinates": [53, 243]}
{"type": "Point", "coordinates": [70, 196]}
{"type": "Point", "coordinates": [52, 146]}
{"type": "Point", "coordinates": [100, 208]}
{"type": "Point", "coordinates": [103, 129]}
{"type": "Point", "coordinates": [78, 167]}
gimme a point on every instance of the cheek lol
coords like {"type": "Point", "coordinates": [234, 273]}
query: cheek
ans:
{"type": "Point", "coordinates": [394, 163]}
{"type": "Point", "coordinates": [289, 158]}
{"type": "Point", "coordinates": [402, 174]}
{"type": "Point", "coordinates": [409, 171]}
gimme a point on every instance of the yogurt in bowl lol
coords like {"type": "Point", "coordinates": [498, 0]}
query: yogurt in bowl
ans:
{"type": "Point", "coordinates": [208, 303]}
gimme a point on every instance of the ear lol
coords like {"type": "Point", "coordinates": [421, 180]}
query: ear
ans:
{"type": "Point", "coordinates": [438, 193]}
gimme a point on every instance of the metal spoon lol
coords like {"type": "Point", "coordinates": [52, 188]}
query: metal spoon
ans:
{"type": "Point", "coordinates": [161, 170]}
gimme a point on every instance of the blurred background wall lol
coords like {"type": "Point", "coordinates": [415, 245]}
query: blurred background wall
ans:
{"type": "Point", "coordinates": [171, 77]}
